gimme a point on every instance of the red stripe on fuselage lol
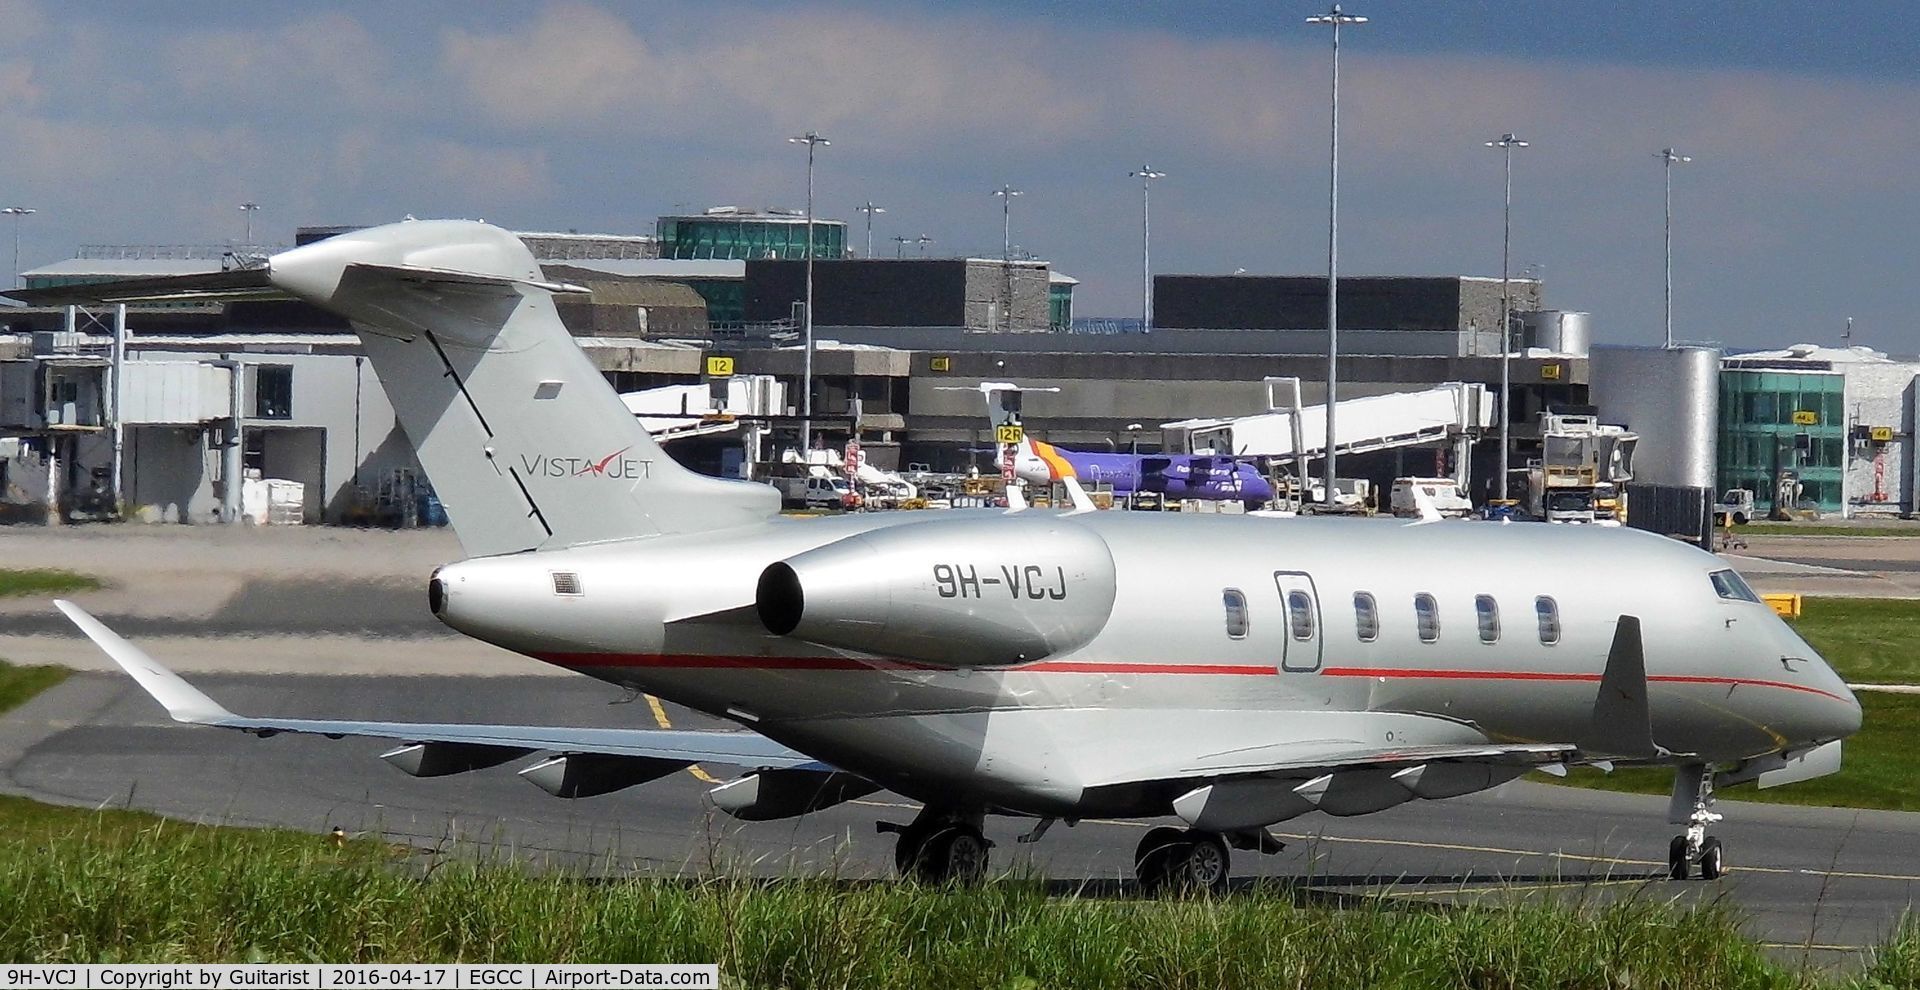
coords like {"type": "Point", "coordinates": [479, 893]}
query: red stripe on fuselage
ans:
{"type": "Point", "coordinates": [1545, 675]}
{"type": "Point", "coordinates": [694, 661]}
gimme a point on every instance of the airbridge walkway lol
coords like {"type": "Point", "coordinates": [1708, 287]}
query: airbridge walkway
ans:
{"type": "Point", "coordinates": [1456, 413]}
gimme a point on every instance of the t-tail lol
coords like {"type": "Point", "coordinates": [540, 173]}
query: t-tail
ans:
{"type": "Point", "coordinates": [525, 442]}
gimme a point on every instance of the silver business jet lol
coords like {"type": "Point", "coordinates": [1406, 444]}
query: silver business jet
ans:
{"type": "Point", "coordinates": [1225, 671]}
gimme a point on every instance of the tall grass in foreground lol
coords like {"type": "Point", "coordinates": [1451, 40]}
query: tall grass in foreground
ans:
{"type": "Point", "coordinates": [113, 891]}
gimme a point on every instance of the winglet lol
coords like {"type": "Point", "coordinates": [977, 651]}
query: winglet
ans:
{"type": "Point", "coordinates": [1016, 499]}
{"type": "Point", "coordinates": [1621, 723]}
{"type": "Point", "coordinates": [1082, 502]}
{"type": "Point", "coordinates": [183, 701]}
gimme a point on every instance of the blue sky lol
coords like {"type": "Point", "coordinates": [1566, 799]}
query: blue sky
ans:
{"type": "Point", "coordinates": [151, 122]}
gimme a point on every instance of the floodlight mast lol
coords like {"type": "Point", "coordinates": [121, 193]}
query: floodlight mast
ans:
{"type": "Point", "coordinates": [1334, 18]}
{"type": "Point", "coordinates": [1669, 159]}
{"type": "Point", "coordinates": [1006, 194]}
{"type": "Point", "coordinates": [812, 141]}
{"type": "Point", "coordinates": [17, 212]}
{"type": "Point", "coordinates": [1506, 144]}
{"type": "Point", "coordinates": [869, 209]}
{"type": "Point", "coordinates": [1146, 174]}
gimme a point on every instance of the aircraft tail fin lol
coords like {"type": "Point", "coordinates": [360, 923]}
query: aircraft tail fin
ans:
{"type": "Point", "coordinates": [525, 442]}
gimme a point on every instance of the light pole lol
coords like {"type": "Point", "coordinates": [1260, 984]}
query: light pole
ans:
{"type": "Point", "coordinates": [16, 212]}
{"type": "Point", "coordinates": [249, 209]}
{"type": "Point", "coordinates": [900, 246]}
{"type": "Point", "coordinates": [1006, 194]}
{"type": "Point", "coordinates": [1670, 158]}
{"type": "Point", "coordinates": [923, 240]}
{"type": "Point", "coordinates": [812, 141]}
{"type": "Point", "coordinates": [1146, 174]}
{"type": "Point", "coordinates": [869, 209]}
{"type": "Point", "coordinates": [1333, 18]}
{"type": "Point", "coordinates": [1506, 144]}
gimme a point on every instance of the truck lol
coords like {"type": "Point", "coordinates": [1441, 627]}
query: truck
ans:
{"type": "Point", "coordinates": [1736, 505]}
{"type": "Point", "coordinates": [1581, 462]}
{"type": "Point", "coordinates": [1442, 492]}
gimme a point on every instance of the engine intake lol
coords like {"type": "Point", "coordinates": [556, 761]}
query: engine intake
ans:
{"type": "Point", "coordinates": [956, 593]}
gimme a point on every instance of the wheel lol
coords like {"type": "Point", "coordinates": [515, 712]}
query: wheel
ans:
{"type": "Point", "coordinates": [1711, 865]}
{"type": "Point", "coordinates": [1677, 858]}
{"type": "Point", "coordinates": [954, 854]}
{"type": "Point", "coordinates": [1155, 856]}
{"type": "Point", "coordinates": [1206, 864]}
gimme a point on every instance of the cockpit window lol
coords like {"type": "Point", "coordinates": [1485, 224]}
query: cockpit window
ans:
{"type": "Point", "coordinates": [1730, 586]}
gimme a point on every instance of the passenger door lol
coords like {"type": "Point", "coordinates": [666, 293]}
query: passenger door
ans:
{"type": "Point", "coordinates": [1302, 636]}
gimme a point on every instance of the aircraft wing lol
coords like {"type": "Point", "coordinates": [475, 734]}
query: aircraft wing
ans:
{"type": "Point", "coordinates": [188, 704]}
{"type": "Point", "coordinates": [1312, 758]}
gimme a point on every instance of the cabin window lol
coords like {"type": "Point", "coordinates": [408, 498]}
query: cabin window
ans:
{"type": "Point", "coordinates": [1300, 615]}
{"type": "Point", "coordinates": [1236, 604]}
{"type": "Point", "coordinates": [1730, 586]}
{"type": "Point", "coordinates": [1548, 612]}
{"type": "Point", "coordinates": [1426, 613]}
{"type": "Point", "coordinates": [1487, 612]}
{"type": "Point", "coordinates": [1366, 617]}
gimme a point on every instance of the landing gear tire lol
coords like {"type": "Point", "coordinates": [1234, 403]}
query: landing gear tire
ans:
{"type": "Point", "coordinates": [1190, 862]}
{"type": "Point", "coordinates": [950, 854]}
{"type": "Point", "coordinates": [1677, 865]}
{"type": "Point", "coordinates": [1712, 867]}
{"type": "Point", "coordinates": [1153, 859]}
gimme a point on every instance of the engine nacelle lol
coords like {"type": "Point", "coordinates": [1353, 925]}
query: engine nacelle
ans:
{"type": "Point", "coordinates": [957, 593]}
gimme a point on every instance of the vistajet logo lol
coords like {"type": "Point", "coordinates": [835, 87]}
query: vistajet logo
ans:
{"type": "Point", "coordinates": [615, 465]}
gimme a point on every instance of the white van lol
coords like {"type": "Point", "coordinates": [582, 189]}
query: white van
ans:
{"type": "Point", "coordinates": [1442, 492]}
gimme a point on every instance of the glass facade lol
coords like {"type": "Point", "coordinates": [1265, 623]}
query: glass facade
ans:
{"type": "Point", "coordinates": [1777, 421]}
{"type": "Point", "coordinates": [1060, 305]}
{"type": "Point", "coordinates": [738, 238]}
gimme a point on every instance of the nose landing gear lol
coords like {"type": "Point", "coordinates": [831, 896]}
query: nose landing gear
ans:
{"type": "Point", "coordinates": [1693, 805]}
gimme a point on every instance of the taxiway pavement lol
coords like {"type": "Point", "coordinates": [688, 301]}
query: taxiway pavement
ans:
{"type": "Point", "coordinates": [1829, 879]}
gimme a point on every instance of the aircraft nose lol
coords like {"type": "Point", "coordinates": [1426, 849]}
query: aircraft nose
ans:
{"type": "Point", "coordinates": [1843, 714]}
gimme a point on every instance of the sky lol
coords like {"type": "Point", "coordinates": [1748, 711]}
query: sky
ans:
{"type": "Point", "coordinates": [151, 122]}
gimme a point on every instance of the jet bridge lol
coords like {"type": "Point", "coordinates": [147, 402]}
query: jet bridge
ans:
{"type": "Point", "coordinates": [1456, 412]}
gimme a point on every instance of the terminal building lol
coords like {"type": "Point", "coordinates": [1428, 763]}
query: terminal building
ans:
{"type": "Point", "coordinates": [900, 345]}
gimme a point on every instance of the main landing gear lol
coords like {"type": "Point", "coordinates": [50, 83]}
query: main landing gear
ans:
{"type": "Point", "coordinates": [1693, 788]}
{"type": "Point", "coordinates": [1185, 861]}
{"type": "Point", "coordinates": [940, 847]}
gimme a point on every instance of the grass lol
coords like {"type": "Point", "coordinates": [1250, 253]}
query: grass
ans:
{"type": "Point", "coordinates": [1817, 529]}
{"type": "Point", "coordinates": [123, 887]}
{"type": "Point", "coordinates": [19, 684]}
{"type": "Point", "coordinates": [41, 581]}
{"type": "Point", "coordinates": [1868, 640]}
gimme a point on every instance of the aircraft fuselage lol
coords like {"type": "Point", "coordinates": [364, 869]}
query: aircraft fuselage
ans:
{"type": "Point", "coordinates": [1219, 625]}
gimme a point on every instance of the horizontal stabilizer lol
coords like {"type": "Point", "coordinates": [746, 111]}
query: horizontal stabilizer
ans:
{"type": "Point", "coordinates": [239, 284]}
{"type": "Point", "coordinates": [446, 277]}
{"type": "Point", "coordinates": [185, 703]}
